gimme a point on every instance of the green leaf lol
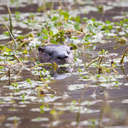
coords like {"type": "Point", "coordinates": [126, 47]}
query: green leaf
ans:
{"type": "Point", "coordinates": [77, 19]}
{"type": "Point", "coordinates": [1, 67]}
{"type": "Point", "coordinates": [2, 47]}
{"type": "Point", "coordinates": [54, 18]}
{"type": "Point", "coordinates": [17, 15]}
{"type": "Point", "coordinates": [77, 26]}
{"type": "Point", "coordinates": [20, 37]}
{"type": "Point", "coordinates": [53, 112]}
{"type": "Point", "coordinates": [65, 14]}
{"type": "Point", "coordinates": [6, 33]}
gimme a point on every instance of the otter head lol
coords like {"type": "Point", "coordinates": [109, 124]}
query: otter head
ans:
{"type": "Point", "coordinates": [60, 54]}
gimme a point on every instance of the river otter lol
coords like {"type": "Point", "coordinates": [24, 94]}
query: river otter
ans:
{"type": "Point", "coordinates": [60, 54]}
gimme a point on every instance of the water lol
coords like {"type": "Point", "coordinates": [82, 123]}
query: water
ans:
{"type": "Point", "coordinates": [82, 98]}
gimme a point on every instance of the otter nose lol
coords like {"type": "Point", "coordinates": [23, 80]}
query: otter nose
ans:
{"type": "Point", "coordinates": [62, 57]}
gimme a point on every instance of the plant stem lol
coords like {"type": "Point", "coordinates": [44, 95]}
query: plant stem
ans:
{"type": "Point", "coordinates": [9, 76]}
{"type": "Point", "coordinates": [10, 23]}
{"type": "Point", "coordinates": [124, 54]}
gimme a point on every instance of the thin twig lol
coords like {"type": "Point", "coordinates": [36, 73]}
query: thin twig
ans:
{"type": "Point", "coordinates": [12, 37]}
{"type": "Point", "coordinates": [124, 54]}
{"type": "Point", "coordinates": [93, 61]}
{"type": "Point", "coordinates": [9, 75]}
{"type": "Point", "coordinates": [10, 21]}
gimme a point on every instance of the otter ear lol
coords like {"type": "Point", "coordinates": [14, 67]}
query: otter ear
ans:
{"type": "Point", "coordinates": [41, 49]}
{"type": "Point", "coordinates": [71, 48]}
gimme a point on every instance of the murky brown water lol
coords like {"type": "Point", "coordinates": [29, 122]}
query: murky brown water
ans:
{"type": "Point", "coordinates": [93, 102]}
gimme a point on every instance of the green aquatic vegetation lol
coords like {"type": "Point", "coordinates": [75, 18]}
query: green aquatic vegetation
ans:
{"type": "Point", "coordinates": [98, 61]}
{"type": "Point", "coordinates": [59, 21]}
{"type": "Point", "coordinates": [17, 15]}
{"type": "Point", "coordinates": [65, 14]}
{"type": "Point", "coordinates": [29, 81]}
{"type": "Point", "coordinates": [23, 97]}
{"type": "Point", "coordinates": [59, 37]}
{"type": "Point", "coordinates": [42, 72]}
{"type": "Point", "coordinates": [15, 86]}
{"type": "Point", "coordinates": [100, 8]}
{"type": "Point", "coordinates": [5, 18]}
{"type": "Point", "coordinates": [44, 107]}
{"type": "Point", "coordinates": [55, 114]}
{"type": "Point", "coordinates": [30, 21]}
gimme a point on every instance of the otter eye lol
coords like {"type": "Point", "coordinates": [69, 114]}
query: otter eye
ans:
{"type": "Point", "coordinates": [41, 49]}
{"type": "Point", "coordinates": [50, 53]}
{"type": "Point", "coordinates": [59, 57]}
